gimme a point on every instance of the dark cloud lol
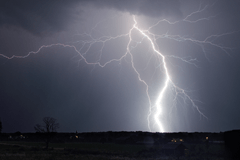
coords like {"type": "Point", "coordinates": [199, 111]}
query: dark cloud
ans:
{"type": "Point", "coordinates": [44, 17]}
{"type": "Point", "coordinates": [83, 97]}
{"type": "Point", "coordinates": [153, 8]}
{"type": "Point", "coordinates": [38, 17]}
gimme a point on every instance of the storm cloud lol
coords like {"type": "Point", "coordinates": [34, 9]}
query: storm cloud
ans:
{"type": "Point", "coordinates": [56, 82]}
{"type": "Point", "coordinates": [44, 17]}
{"type": "Point", "coordinates": [152, 8]}
{"type": "Point", "coordinates": [37, 16]}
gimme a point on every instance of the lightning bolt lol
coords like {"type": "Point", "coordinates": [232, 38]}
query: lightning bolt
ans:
{"type": "Point", "coordinates": [156, 106]}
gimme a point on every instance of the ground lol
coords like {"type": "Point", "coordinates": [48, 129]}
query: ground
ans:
{"type": "Point", "coordinates": [11, 150]}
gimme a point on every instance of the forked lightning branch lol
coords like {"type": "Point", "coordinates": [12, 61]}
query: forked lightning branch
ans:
{"type": "Point", "coordinates": [156, 107]}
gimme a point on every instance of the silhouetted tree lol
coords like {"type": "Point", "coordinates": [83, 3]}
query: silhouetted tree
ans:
{"type": "Point", "coordinates": [49, 128]}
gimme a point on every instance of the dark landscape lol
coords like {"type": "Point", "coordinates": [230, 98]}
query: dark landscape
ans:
{"type": "Point", "coordinates": [121, 145]}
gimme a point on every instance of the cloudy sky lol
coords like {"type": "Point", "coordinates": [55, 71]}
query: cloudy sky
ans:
{"type": "Point", "coordinates": [53, 53]}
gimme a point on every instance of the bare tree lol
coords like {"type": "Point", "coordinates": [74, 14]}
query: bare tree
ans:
{"type": "Point", "coordinates": [49, 127]}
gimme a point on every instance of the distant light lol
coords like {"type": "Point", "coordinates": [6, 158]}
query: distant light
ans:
{"type": "Point", "coordinates": [206, 138]}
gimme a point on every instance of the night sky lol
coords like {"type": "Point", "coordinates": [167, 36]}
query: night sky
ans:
{"type": "Point", "coordinates": [56, 82]}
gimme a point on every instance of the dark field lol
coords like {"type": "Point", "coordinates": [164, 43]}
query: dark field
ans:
{"type": "Point", "coordinates": [11, 150]}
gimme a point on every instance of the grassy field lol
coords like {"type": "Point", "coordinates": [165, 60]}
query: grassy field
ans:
{"type": "Point", "coordinates": [12, 150]}
{"type": "Point", "coordinates": [33, 150]}
{"type": "Point", "coordinates": [111, 147]}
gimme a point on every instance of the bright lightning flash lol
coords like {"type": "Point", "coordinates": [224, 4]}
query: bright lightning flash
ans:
{"type": "Point", "coordinates": [168, 81]}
